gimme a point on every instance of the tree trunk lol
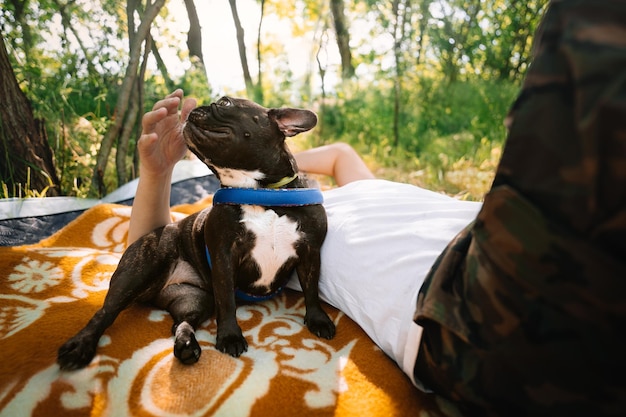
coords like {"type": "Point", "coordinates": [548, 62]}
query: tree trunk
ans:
{"type": "Point", "coordinates": [169, 83]}
{"type": "Point", "coordinates": [343, 38]}
{"type": "Point", "coordinates": [322, 71]}
{"type": "Point", "coordinates": [194, 43]}
{"type": "Point", "coordinates": [123, 99]}
{"type": "Point", "coordinates": [258, 91]}
{"type": "Point", "coordinates": [194, 37]}
{"type": "Point", "coordinates": [19, 9]}
{"type": "Point", "coordinates": [66, 21]}
{"type": "Point", "coordinates": [27, 161]}
{"type": "Point", "coordinates": [242, 50]}
{"type": "Point", "coordinates": [422, 26]}
{"type": "Point", "coordinates": [398, 35]}
{"type": "Point", "coordinates": [132, 119]}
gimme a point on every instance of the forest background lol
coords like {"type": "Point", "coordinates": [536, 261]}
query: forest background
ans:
{"type": "Point", "coordinates": [419, 87]}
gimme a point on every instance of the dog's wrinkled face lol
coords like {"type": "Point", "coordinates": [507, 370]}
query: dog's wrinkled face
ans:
{"type": "Point", "coordinates": [237, 134]}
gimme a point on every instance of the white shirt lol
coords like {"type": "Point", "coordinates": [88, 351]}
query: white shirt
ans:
{"type": "Point", "coordinates": [382, 239]}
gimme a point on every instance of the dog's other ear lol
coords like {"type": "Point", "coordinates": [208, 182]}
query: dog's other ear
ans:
{"type": "Point", "coordinates": [293, 121]}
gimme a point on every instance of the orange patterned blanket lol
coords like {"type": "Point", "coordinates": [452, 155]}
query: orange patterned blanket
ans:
{"type": "Point", "coordinates": [49, 290]}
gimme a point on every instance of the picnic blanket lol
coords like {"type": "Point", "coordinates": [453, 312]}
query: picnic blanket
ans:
{"type": "Point", "coordinates": [50, 289]}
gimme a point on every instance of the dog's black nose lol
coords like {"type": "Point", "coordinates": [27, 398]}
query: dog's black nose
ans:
{"type": "Point", "coordinates": [198, 114]}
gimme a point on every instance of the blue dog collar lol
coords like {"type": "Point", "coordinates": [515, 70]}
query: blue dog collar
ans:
{"type": "Point", "coordinates": [269, 197]}
{"type": "Point", "coordinates": [244, 296]}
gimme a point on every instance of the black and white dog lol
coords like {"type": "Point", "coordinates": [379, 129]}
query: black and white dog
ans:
{"type": "Point", "coordinates": [264, 223]}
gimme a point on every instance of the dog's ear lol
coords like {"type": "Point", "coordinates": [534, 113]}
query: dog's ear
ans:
{"type": "Point", "coordinates": [293, 121]}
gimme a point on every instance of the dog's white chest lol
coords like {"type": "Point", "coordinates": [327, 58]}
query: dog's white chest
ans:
{"type": "Point", "coordinates": [276, 237]}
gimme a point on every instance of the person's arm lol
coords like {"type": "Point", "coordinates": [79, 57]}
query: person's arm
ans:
{"type": "Point", "coordinates": [160, 146]}
{"type": "Point", "coordinates": [338, 160]}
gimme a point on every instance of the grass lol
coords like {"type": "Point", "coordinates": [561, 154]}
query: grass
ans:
{"type": "Point", "coordinates": [466, 178]}
{"type": "Point", "coordinates": [19, 190]}
{"type": "Point", "coordinates": [463, 179]}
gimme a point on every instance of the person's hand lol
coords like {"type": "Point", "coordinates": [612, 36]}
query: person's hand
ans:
{"type": "Point", "coordinates": [161, 143]}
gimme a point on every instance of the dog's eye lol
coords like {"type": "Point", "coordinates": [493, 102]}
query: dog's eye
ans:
{"type": "Point", "coordinates": [225, 102]}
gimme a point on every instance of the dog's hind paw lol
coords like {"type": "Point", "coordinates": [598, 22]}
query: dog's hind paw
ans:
{"type": "Point", "coordinates": [75, 354]}
{"type": "Point", "coordinates": [187, 349]}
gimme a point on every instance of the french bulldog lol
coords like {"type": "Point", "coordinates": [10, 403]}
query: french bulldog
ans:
{"type": "Point", "coordinates": [194, 268]}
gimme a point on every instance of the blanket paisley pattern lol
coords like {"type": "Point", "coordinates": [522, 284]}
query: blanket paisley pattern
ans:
{"type": "Point", "coordinates": [50, 289]}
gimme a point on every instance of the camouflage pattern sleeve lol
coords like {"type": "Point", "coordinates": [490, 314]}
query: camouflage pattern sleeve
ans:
{"type": "Point", "coordinates": [524, 313]}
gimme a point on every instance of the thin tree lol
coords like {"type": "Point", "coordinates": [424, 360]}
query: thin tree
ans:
{"type": "Point", "coordinates": [343, 38]}
{"type": "Point", "coordinates": [258, 91]}
{"type": "Point", "coordinates": [66, 21]}
{"type": "Point", "coordinates": [171, 85]}
{"type": "Point", "coordinates": [242, 49]}
{"type": "Point", "coordinates": [128, 84]}
{"type": "Point", "coordinates": [194, 36]}
{"type": "Point", "coordinates": [253, 90]}
{"type": "Point", "coordinates": [131, 119]}
{"type": "Point", "coordinates": [424, 16]}
{"type": "Point", "coordinates": [194, 42]}
{"type": "Point", "coordinates": [20, 7]}
{"type": "Point", "coordinates": [399, 8]}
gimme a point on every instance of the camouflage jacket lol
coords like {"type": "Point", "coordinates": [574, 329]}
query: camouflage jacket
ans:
{"type": "Point", "coordinates": [524, 313]}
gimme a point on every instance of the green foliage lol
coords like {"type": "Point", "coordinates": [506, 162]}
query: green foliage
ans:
{"type": "Point", "coordinates": [77, 110]}
{"type": "Point", "coordinates": [445, 128]}
{"type": "Point", "coordinates": [456, 79]}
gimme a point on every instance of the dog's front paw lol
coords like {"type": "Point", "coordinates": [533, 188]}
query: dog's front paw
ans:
{"type": "Point", "coordinates": [232, 343]}
{"type": "Point", "coordinates": [320, 324]}
{"type": "Point", "coordinates": [76, 353]}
